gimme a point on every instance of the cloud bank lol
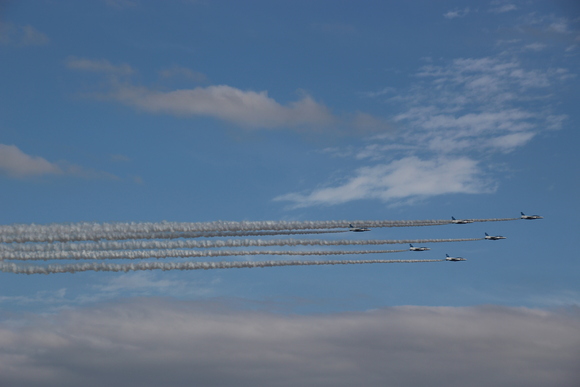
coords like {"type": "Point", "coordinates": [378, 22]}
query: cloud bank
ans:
{"type": "Point", "coordinates": [158, 342]}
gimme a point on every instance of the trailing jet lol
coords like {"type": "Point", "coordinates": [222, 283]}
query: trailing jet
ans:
{"type": "Point", "coordinates": [412, 248]}
{"type": "Point", "coordinates": [524, 216]}
{"type": "Point", "coordinates": [493, 238]}
{"type": "Point", "coordinates": [454, 259]}
{"type": "Point", "coordinates": [460, 221]}
{"type": "Point", "coordinates": [358, 229]}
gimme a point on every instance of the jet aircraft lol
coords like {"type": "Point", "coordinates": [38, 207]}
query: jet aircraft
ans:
{"type": "Point", "coordinates": [454, 259]}
{"type": "Point", "coordinates": [358, 229]}
{"type": "Point", "coordinates": [460, 221]}
{"type": "Point", "coordinates": [524, 216]}
{"type": "Point", "coordinates": [493, 238]}
{"type": "Point", "coordinates": [412, 248]}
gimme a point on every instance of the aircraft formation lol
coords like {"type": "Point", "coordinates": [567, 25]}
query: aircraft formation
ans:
{"type": "Point", "coordinates": [96, 244]}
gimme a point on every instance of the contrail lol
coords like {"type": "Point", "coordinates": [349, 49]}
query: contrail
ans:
{"type": "Point", "coordinates": [117, 236]}
{"type": "Point", "coordinates": [75, 268]}
{"type": "Point", "coordinates": [189, 244]}
{"type": "Point", "coordinates": [87, 228]}
{"type": "Point", "coordinates": [146, 254]}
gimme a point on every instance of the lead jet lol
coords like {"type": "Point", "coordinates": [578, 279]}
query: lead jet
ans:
{"type": "Point", "coordinates": [460, 221]}
{"type": "Point", "coordinates": [454, 259]}
{"type": "Point", "coordinates": [493, 238]}
{"type": "Point", "coordinates": [358, 229]}
{"type": "Point", "coordinates": [412, 248]}
{"type": "Point", "coordinates": [524, 216]}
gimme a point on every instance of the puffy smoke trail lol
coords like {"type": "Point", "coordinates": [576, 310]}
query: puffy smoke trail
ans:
{"type": "Point", "coordinates": [75, 268]}
{"type": "Point", "coordinates": [188, 244]}
{"type": "Point", "coordinates": [116, 236]}
{"type": "Point", "coordinates": [146, 254]}
{"type": "Point", "coordinates": [95, 228]}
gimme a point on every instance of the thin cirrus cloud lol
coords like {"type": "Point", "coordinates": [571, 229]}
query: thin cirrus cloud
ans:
{"type": "Point", "coordinates": [452, 118]}
{"type": "Point", "coordinates": [151, 342]}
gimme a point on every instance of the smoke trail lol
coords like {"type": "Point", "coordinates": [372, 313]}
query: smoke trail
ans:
{"type": "Point", "coordinates": [146, 254]}
{"type": "Point", "coordinates": [93, 228]}
{"type": "Point", "coordinates": [189, 244]}
{"type": "Point", "coordinates": [75, 268]}
{"type": "Point", "coordinates": [116, 236]}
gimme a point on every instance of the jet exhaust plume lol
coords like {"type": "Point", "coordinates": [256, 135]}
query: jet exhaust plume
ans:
{"type": "Point", "coordinates": [189, 244]}
{"type": "Point", "coordinates": [75, 268]}
{"type": "Point", "coordinates": [168, 253]}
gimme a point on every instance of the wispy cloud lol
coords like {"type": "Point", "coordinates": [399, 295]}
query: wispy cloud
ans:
{"type": "Point", "coordinates": [503, 8]}
{"type": "Point", "coordinates": [15, 163]}
{"type": "Point", "coordinates": [183, 73]}
{"type": "Point", "coordinates": [456, 13]}
{"type": "Point", "coordinates": [21, 35]}
{"type": "Point", "coordinates": [98, 66]}
{"type": "Point", "coordinates": [150, 342]}
{"type": "Point", "coordinates": [453, 117]}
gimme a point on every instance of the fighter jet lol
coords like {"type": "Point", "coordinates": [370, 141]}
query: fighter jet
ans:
{"type": "Point", "coordinates": [358, 229]}
{"type": "Point", "coordinates": [412, 248]}
{"type": "Point", "coordinates": [524, 216]}
{"type": "Point", "coordinates": [493, 238]}
{"type": "Point", "coordinates": [454, 259]}
{"type": "Point", "coordinates": [460, 221]}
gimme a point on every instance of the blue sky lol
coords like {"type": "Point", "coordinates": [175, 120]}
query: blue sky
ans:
{"type": "Point", "coordinates": [197, 111]}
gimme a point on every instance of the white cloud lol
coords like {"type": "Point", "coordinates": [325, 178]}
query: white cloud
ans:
{"type": "Point", "coordinates": [247, 108]}
{"type": "Point", "coordinates": [15, 163]}
{"type": "Point", "coordinates": [98, 65]}
{"type": "Point", "coordinates": [409, 177]}
{"type": "Point", "coordinates": [158, 342]}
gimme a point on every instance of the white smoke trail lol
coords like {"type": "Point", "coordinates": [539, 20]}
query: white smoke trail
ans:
{"type": "Point", "coordinates": [116, 236]}
{"type": "Point", "coordinates": [93, 228]}
{"type": "Point", "coordinates": [189, 244]}
{"type": "Point", "coordinates": [75, 268]}
{"type": "Point", "coordinates": [147, 227]}
{"type": "Point", "coordinates": [146, 254]}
